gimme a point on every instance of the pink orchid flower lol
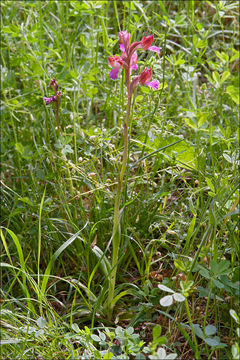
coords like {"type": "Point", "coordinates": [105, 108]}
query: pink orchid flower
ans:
{"type": "Point", "coordinates": [116, 63]}
{"type": "Point", "coordinates": [49, 100]}
{"type": "Point", "coordinates": [128, 58]}
{"type": "Point", "coordinates": [144, 79]}
{"type": "Point", "coordinates": [52, 98]}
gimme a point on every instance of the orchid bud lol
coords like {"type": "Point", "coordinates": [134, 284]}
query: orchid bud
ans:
{"type": "Point", "coordinates": [145, 76]}
{"type": "Point", "coordinates": [124, 39]}
{"type": "Point", "coordinates": [147, 41]}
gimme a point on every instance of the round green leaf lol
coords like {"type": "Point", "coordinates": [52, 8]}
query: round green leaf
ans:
{"type": "Point", "coordinates": [178, 297]}
{"type": "Point", "coordinates": [166, 300]}
{"type": "Point", "coordinates": [210, 330]}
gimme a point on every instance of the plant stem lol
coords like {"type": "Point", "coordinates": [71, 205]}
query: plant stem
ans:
{"type": "Point", "coordinates": [116, 234]}
{"type": "Point", "coordinates": [193, 333]}
{"type": "Point", "coordinates": [57, 118]}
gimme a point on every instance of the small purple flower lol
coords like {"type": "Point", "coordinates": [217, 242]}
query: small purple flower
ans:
{"type": "Point", "coordinates": [153, 84]}
{"type": "Point", "coordinates": [50, 99]}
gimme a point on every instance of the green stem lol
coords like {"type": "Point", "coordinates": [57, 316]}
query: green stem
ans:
{"type": "Point", "coordinates": [116, 234]}
{"type": "Point", "coordinates": [57, 117]}
{"type": "Point", "coordinates": [193, 333]}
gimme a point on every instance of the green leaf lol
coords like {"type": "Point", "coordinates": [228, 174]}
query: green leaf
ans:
{"type": "Point", "coordinates": [179, 265]}
{"type": "Point", "coordinates": [19, 147]}
{"type": "Point", "coordinates": [227, 157]}
{"type": "Point", "coordinates": [190, 123]}
{"type": "Point", "coordinates": [202, 44]}
{"type": "Point", "coordinates": [198, 331]}
{"type": "Point", "coordinates": [225, 76]}
{"type": "Point", "coordinates": [139, 98]}
{"type": "Point", "coordinates": [190, 229]}
{"type": "Point", "coordinates": [130, 330]}
{"type": "Point", "coordinates": [108, 356]}
{"type": "Point", "coordinates": [157, 330]}
{"type": "Point", "coordinates": [166, 300]}
{"type": "Point", "coordinates": [220, 268]}
{"type": "Point", "coordinates": [210, 330]}
{"type": "Point", "coordinates": [95, 338]}
{"type": "Point", "coordinates": [218, 283]}
{"type": "Point", "coordinates": [210, 184]}
{"type": "Point", "coordinates": [26, 200]}
{"type": "Point", "coordinates": [235, 316]}
{"type": "Point", "coordinates": [75, 328]}
{"type": "Point", "coordinates": [212, 341]}
{"type": "Point", "coordinates": [171, 356]}
{"type": "Point", "coordinates": [216, 76]}
{"type": "Point", "coordinates": [178, 297]}
{"type": "Point", "coordinates": [104, 263]}
{"type": "Point", "coordinates": [234, 93]}
{"type": "Point", "coordinates": [165, 288]}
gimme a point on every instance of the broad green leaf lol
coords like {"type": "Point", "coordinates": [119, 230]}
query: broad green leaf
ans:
{"type": "Point", "coordinates": [201, 44]}
{"type": "Point", "coordinates": [198, 331]}
{"type": "Point", "coordinates": [161, 353]}
{"type": "Point", "coordinates": [213, 341]}
{"type": "Point", "coordinates": [19, 147]}
{"type": "Point", "coordinates": [139, 98]}
{"type": "Point", "coordinates": [179, 265]}
{"type": "Point", "coordinates": [178, 297]}
{"type": "Point", "coordinates": [130, 330]}
{"type": "Point", "coordinates": [75, 328]}
{"type": "Point", "coordinates": [210, 330]}
{"type": "Point", "coordinates": [216, 76]}
{"type": "Point", "coordinates": [108, 356]}
{"type": "Point", "coordinates": [218, 283]}
{"type": "Point", "coordinates": [157, 330]}
{"type": "Point", "coordinates": [190, 123]}
{"type": "Point", "coordinates": [95, 338]}
{"type": "Point", "coordinates": [225, 76]}
{"type": "Point", "coordinates": [171, 356]}
{"type": "Point", "coordinates": [234, 93]}
{"type": "Point", "coordinates": [220, 268]}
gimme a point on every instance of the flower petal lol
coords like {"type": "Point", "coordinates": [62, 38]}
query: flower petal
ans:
{"type": "Point", "coordinates": [122, 47]}
{"type": "Point", "coordinates": [134, 67]}
{"type": "Point", "coordinates": [153, 84]}
{"type": "Point", "coordinates": [114, 73]}
{"type": "Point", "coordinates": [147, 41]}
{"type": "Point", "coordinates": [50, 99]}
{"type": "Point", "coordinates": [155, 49]}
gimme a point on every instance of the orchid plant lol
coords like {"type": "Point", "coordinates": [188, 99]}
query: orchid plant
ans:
{"type": "Point", "coordinates": [55, 99]}
{"type": "Point", "coordinates": [128, 62]}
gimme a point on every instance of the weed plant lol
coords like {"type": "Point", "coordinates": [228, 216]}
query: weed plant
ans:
{"type": "Point", "coordinates": [177, 280]}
